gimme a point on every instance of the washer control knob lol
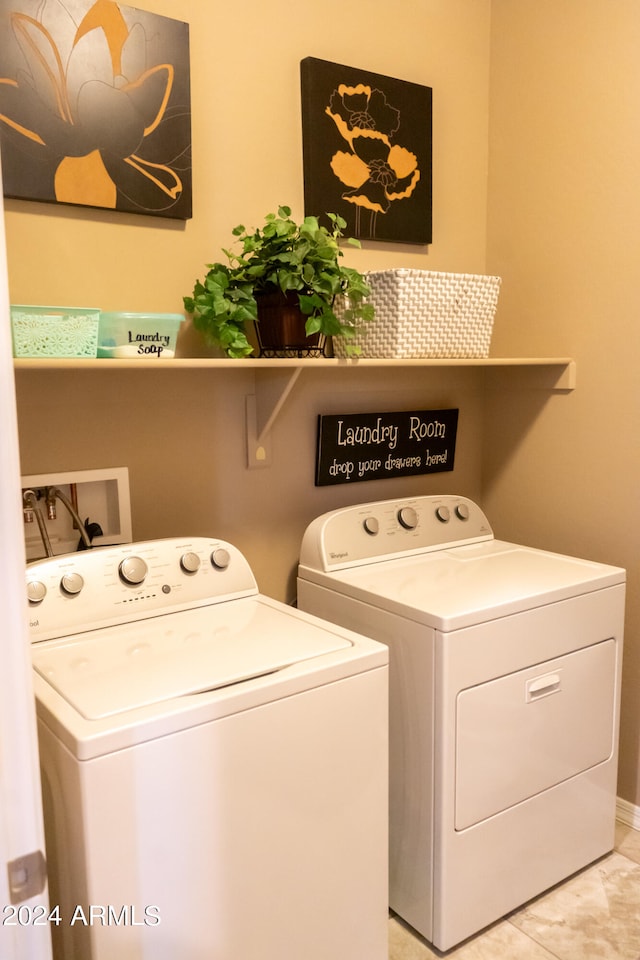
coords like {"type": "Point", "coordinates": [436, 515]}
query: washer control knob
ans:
{"type": "Point", "coordinates": [190, 562]}
{"type": "Point", "coordinates": [443, 514]}
{"type": "Point", "coordinates": [72, 584]}
{"type": "Point", "coordinates": [133, 570]}
{"type": "Point", "coordinates": [36, 591]}
{"type": "Point", "coordinates": [371, 526]}
{"type": "Point", "coordinates": [462, 511]}
{"type": "Point", "coordinates": [220, 558]}
{"type": "Point", "coordinates": [408, 518]}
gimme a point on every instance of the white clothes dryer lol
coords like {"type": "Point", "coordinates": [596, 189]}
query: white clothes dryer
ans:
{"type": "Point", "coordinates": [504, 701]}
{"type": "Point", "coordinates": [214, 762]}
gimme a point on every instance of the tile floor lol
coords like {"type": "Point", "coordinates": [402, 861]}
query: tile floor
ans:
{"type": "Point", "coordinates": [595, 915]}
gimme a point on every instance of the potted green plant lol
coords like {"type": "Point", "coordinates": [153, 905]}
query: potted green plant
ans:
{"type": "Point", "coordinates": [297, 265]}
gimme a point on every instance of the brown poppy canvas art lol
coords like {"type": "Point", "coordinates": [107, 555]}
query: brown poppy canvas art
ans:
{"type": "Point", "coordinates": [95, 106]}
{"type": "Point", "coordinates": [367, 151]}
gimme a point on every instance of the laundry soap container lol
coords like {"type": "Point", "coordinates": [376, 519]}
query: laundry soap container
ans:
{"type": "Point", "coordinates": [138, 336]}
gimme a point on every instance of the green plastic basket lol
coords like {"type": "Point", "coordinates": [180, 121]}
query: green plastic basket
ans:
{"type": "Point", "coordinates": [41, 331]}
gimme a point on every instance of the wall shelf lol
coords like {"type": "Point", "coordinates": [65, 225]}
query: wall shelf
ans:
{"type": "Point", "coordinates": [560, 364]}
{"type": "Point", "coordinates": [275, 378]}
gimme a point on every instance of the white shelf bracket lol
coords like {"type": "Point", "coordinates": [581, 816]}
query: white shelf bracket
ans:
{"type": "Point", "coordinates": [272, 388]}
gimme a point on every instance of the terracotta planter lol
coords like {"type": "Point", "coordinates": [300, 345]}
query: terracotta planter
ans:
{"type": "Point", "coordinates": [281, 327]}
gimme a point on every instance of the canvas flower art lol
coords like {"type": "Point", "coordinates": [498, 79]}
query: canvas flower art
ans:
{"type": "Point", "coordinates": [378, 171]}
{"type": "Point", "coordinates": [367, 150]}
{"type": "Point", "coordinates": [94, 107]}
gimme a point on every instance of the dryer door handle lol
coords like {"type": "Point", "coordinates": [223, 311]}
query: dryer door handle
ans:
{"type": "Point", "coordinates": [542, 686]}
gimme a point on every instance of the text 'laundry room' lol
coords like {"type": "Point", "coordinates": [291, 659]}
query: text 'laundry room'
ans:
{"type": "Point", "coordinates": [319, 506]}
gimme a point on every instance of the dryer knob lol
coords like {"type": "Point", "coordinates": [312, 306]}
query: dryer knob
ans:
{"type": "Point", "coordinates": [408, 518]}
{"type": "Point", "coordinates": [371, 526]}
{"type": "Point", "coordinates": [443, 514]}
{"type": "Point", "coordinates": [190, 562]}
{"type": "Point", "coordinates": [220, 558]}
{"type": "Point", "coordinates": [462, 511]}
{"type": "Point", "coordinates": [72, 584]}
{"type": "Point", "coordinates": [133, 570]}
{"type": "Point", "coordinates": [36, 591]}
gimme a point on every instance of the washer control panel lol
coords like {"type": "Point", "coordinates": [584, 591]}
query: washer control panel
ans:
{"type": "Point", "coordinates": [76, 592]}
{"type": "Point", "coordinates": [391, 528]}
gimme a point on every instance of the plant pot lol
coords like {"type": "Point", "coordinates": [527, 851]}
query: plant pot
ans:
{"type": "Point", "coordinates": [281, 327]}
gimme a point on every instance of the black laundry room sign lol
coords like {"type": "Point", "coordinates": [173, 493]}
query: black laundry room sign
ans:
{"type": "Point", "coordinates": [377, 446]}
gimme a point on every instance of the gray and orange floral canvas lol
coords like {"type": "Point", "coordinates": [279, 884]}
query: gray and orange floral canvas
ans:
{"type": "Point", "coordinates": [95, 106]}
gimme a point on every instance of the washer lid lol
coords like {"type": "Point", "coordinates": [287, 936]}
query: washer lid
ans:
{"type": "Point", "coordinates": [116, 669]}
{"type": "Point", "coordinates": [455, 588]}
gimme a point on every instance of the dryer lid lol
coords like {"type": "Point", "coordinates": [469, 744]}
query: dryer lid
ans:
{"type": "Point", "coordinates": [109, 671]}
{"type": "Point", "coordinates": [458, 587]}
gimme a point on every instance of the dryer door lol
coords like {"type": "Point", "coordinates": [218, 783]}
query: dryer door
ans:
{"type": "Point", "coordinates": [521, 734]}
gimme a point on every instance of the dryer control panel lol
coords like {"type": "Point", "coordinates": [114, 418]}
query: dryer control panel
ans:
{"type": "Point", "coordinates": [76, 592]}
{"type": "Point", "coordinates": [391, 528]}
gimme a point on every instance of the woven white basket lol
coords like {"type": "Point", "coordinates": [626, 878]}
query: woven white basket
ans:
{"type": "Point", "coordinates": [422, 313]}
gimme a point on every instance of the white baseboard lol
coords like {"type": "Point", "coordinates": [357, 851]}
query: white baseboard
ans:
{"type": "Point", "coordinates": [628, 813]}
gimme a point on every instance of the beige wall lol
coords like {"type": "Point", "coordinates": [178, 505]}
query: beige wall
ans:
{"type": "Point", "coordinates": [557, 471]}
{"type": "Point", "coordinates": [182, 435]}
{"type": "Point", "coordinates": [563, 228]}
{"type": "Point", "coordinates": [247, 147]}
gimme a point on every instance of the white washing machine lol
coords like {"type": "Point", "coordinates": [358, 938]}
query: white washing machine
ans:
{"type": "Point", "coordinates": [215, 763]}
{"type": "Point", "coordinates": [504, 701]}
